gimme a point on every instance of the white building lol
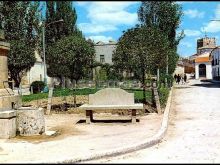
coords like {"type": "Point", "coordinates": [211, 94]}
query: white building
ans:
{"type": "Point", "coordinates": [215, 57]}
{"type": "Point", "coordinates": [36, 73]}
{"type": "Point", "coordinates": [203, 62]}
{"type": "Point", "coordinates": [104, 51]}
{"type": "Point", "coordinates": [203, 66]}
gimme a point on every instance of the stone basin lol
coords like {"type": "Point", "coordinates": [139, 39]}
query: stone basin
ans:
{"type": "Point", "coordinates": [30, 121]}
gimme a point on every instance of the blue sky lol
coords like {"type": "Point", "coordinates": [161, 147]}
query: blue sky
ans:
{"type": "Point", "coordinates": [106, 20]}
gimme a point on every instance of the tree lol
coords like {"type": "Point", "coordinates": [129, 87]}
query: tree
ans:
{"type": "Point", "coordinates": [166, 15]}
{"type": "Point", "coordinates": [21, 35]}
{"type": "Point", "coordinates": [72, 56]}
{"type": "Point", "coordinates": [139, 50]}
{"type": "Point", "coordinates": [64, 11]}
{"type": "Point", "coordinates": [56, 32]}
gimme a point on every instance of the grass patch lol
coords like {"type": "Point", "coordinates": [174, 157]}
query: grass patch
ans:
{"type": "Point", "coordinates": [59, 92]}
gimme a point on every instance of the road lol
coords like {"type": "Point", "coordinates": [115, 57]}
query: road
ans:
{"type": "Point", "coordinates": [193, 134]}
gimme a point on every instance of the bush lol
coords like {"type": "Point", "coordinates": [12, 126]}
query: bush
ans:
{"type": "Point", "coordinates": [163, 95]}
{"type": "Point", "coordinates": [37, 86]}
{"type": "Point", "coordinates": [170, 80]}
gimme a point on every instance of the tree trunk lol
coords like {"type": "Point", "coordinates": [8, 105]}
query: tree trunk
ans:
{"type": "Point", "coordinates": [16, 80]}
{"type": "Point", "coordinates": [75, 82]}
{"type": "Point", "coordinates": [63, 82]}
{"type": "Point", "coordinates": [144, 87]}
{"type": "Point", "coordinates": [158, 76]}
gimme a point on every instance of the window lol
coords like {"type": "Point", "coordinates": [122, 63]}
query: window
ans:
{"type": "Point", "coordinates": [102, 58]}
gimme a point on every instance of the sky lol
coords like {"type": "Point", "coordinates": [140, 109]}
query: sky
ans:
{"type": "Point", "coordinates": [106, 20]}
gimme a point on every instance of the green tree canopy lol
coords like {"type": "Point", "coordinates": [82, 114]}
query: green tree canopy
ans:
{"type": "Point", "coordinates": [60, 33]}
{"type": "Point", "coordinates": [19, 20]}
{"type": "Point", "coordinates": [141, 50]}
{"type": "Point", "coordinates": [165, 15]}
{"type": "Point", "coordinates": [72, 56]}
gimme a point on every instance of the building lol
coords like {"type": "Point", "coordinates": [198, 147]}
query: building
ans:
{"type": "Point", "coordinates": [184, 65]}
{"type": "Point", "coordinates": [203, 66]}
{"type": "Point", "coordinates": [36, 73]}
{"type": "Point", "coordinates": [203, 62]}
{"type": "Point", "coordinates": [179, 67]}
{"type": "Point", "coordinates": [104, 51]}
{"type": "Point", "coordinates": [215, 57]}
{"type": "Point", "coordinates": [205, 44]}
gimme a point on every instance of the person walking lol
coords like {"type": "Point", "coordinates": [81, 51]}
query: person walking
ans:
{"type": "Point", "coordinates": [185, 78]}
{"type": "Point", "coordinates": [178, 79]}
{"type": "Point", "coordinates": [175, 77]}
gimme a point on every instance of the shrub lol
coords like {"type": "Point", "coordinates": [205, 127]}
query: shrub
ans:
{"type": "Point", "coordinates": [170, 80]}
{"type": "Point", "coordinates": [37, 86]}
{"type": "Point", "coordinates": [163, 95]}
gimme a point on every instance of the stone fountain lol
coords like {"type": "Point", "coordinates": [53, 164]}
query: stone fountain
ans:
{"type": "Point", "coordinates": [15, 119]}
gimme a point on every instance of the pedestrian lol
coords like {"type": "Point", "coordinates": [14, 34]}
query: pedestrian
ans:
{"type": "Point", "coordinates": [178, 78]}
{"type": "Point", "coordinates": [182, 77]}
{"type": "Point", "coordinates": [185, 78]}
{"type": "Point", "coordinates": [175, 77]}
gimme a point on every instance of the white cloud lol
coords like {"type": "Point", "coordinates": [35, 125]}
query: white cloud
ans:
{"type": "Point", "coordinates": [194, 13]}
{"type": "Point", "coordinates": [95, 28]}
{"type": "Point", "coordinates": [100, 38]}
{"type": "Point", "coordinates": [114, 18]}
{"type": "Point", "coordinates": [82, 3]}
{"type": "Point", "coordinates": [106, 15]}
{"type": "Point", "coordinates": [189, 32]}
{"type": "Point", "coordinates": [184, 2]}
{"type": "Point", "coordinates": [213, 26]}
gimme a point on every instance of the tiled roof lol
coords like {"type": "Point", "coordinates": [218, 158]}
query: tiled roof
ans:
{"type": "Point", "coordinates": [202, 59]}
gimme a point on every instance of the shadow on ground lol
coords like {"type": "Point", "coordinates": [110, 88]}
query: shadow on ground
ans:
{"type": "Point", "coordinates": [181, 87]}
{"type": "Point", "coordinates": [207, 84]}
{"type": "Point", "coordinates": [107, 121]}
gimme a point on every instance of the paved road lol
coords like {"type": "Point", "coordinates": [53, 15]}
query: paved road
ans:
{"type": "Point", "coordinates": [193, 134]}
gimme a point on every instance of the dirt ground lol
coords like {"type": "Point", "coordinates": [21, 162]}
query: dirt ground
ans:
{"type": "Point", "coordinates": [64, 127]}
{"type": "Point", "coordinates": [74, 138]}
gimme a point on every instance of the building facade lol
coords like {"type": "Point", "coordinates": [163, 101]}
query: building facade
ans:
{"type": "Point", "coordinates": [215, 57]}
{"type": "Point", "coordinates": [104, 51]}
{"type": "Point", "coordinates": [36, 73]}
{"type": "Point", "coordinates": [203, 61]}
{"type": "Point", "coordinates": [203, 66]}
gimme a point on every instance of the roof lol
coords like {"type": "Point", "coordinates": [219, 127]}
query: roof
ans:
{"type": "Point", "coordinates": [111, 42]}
{"type": "Point", "coordinates": [207, 47]}
{"type": "Point", "coordinates": [203, 57]}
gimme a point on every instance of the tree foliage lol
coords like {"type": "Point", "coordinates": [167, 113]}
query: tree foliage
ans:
{"type": "Point", "coordinates": [140, 50]}
{"type": "Point", "coordinates": [19, 20]}
{"type": "Point", "coordinates": [165, 15]}
{"type": "Point", "coordinates": [72, 56]}
{"type": "Point", "coordinates": [59, 64]}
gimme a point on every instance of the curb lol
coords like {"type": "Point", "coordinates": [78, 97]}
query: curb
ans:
{"type": "Point", "coordinates": [149, 142]}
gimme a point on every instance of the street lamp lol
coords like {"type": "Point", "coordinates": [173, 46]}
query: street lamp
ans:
{"type": "Point", "coordinates": [43, 29]}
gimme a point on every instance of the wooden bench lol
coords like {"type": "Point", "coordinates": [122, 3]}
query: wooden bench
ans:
{"type": "Point", "coordinates": [111, 98]}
